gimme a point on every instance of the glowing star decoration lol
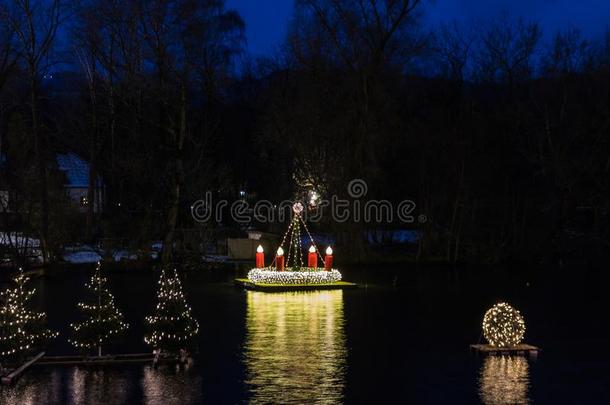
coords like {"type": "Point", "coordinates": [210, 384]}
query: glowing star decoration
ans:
{"type": "Point", "coordinates": [503, 326]}
{"type": "Point", "coordinates": [313, 198]}
{"type": "Point", "coordinates": [297, 208]}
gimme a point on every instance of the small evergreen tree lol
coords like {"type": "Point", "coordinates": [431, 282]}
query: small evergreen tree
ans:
{"type": "Point", "coordinates": [103, 322]}
{"type": "Point", "coordinates": [172, 326]}
{"type": "Point", "coordinates": [22, 330]}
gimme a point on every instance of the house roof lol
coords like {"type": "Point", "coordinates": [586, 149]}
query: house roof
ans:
{"type": "Point", "coordinates": [76, 170]}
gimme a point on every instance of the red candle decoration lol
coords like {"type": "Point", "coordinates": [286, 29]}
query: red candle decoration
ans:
{"type": "Point", "coordinates": [312, 258]}
{"type": "Point", "coordinates": [328, 259]}
{"type": "Point", "coordinates": [260, 257]}
{"type": "Point", "coordinates": [279, 259]}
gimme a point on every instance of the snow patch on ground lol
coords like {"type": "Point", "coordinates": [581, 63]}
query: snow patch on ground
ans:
{"type": "Point", "coordinates": [119, 255]}
{"type": "Point", "coordinates": [87, 254]}
{"type": "Point", "coordinates": [78, 254]}
{"type": "Point", "coordinates": [82, 257]}
{"type": "Point", "coordinates": [215, 258]}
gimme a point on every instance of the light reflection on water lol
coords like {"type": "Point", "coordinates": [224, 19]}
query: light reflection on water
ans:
{"type": "Point", "coordinates": [101, 385]}
{"type": "Point", "coordinates": [92, 384]}
{"type": "Point", "coordinates": [504, 380]}
{"type": "Point", "coordinates": [295, 347]}
{"type": "Point", "coordinates": [33, 394]}
{"type": "Point", "coordinates": [164, 386]}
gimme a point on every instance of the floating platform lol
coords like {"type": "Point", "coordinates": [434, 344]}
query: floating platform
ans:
{"type": "Point", "coordinates": [520, 349]}
{"type": "Point", "coordinates": [96, 360]}
{"type": "Point", "coordinates": [9, 378]}
{"type": "Point", "coordinates": [337, 285]}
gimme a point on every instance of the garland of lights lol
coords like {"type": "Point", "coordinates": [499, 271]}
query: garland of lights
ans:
{"type": "Point", "coordinates": [103, 320]}
{"type": "Point", "coordinates": [172, 326]}
{"type": "Point", "coordinates": [305, 275]}
{"type": "Point", "coordinates": [503, 326]}
{"type": "Point", "coordinates": [21, 329]}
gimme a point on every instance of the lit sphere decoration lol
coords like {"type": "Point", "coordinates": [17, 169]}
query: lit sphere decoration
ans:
{"type": "Point", "coordinates": [297, 208]}
{"type": "Point", "coordinates": [503, 326]}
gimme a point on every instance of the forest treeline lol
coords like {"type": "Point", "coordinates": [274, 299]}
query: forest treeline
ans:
{"type": "Point", "coordinates": [497, 131]}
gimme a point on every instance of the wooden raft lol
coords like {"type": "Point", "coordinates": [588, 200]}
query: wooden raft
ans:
{"type": "Point", "coordinates": [13, 375]}
{"type": "Point", "coordinates": [493, 350]}
{"type": "Point", "coordinates": [96, 360]}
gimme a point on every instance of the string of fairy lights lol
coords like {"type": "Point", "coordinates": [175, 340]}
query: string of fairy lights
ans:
{"type": "Point", "coordinates": [311, 239]}
{"type": "Point", "coordinates": [306, 275]}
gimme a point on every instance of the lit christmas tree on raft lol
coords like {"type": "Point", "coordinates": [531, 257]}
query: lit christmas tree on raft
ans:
{"type": "Point", "coordinates": [288, 269]}
{"type": "Point", "coordinates": [103, 321]}
{"type": "Point", "coordinates": [172, 327]}
{"type": "Point", "coordinates": [22, 330]}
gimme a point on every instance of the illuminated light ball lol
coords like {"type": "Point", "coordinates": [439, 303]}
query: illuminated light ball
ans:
{"type": "Point", "coordinates": [313, 198]}
{"type": "Point", "coordinates": [503, 326]}
{"type": "Point", "coordinates": [297, 208]}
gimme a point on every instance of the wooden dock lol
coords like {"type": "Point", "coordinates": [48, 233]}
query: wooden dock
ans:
{"type": "Point", "coordinates": [42, 360]}
{"type": "Point", "coordinates": [249, 285]}
{"type": "Point", "coordinates": [8, 379]}
{"type": "Point", "coordinates": [521, 349]}
{"type": "Point", "coordinates": [95, 360]}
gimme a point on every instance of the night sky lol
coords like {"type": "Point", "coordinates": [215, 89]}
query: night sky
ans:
{"type": "Point", "coordinates": [267, 19]}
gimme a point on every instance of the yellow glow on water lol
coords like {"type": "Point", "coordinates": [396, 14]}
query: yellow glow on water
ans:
{"type": "Point", "coordinates": [169, 386]}
{"type": "Point", "coordinates": [25, 392]}
{"type": "Point", "coordinates": [504, 380]}
{"type": "Point", "coordinates": [98, 385]}
{"type": "Point", "coordinates": [295, 347]}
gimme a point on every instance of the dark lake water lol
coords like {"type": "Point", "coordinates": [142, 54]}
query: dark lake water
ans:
{"type": "Point", "coordinates": [403, 337]}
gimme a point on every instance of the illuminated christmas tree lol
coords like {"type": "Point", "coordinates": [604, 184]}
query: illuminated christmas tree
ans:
{"type": "Point", "coordinates": [172, 327]}
{"type": "Point", "coordinates": [22, 330]}
{"type": "Point", "coordinates": [103, 322]}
